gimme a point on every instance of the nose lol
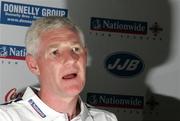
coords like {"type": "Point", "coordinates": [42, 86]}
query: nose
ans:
{"type": "Point", "coordinates": [69, 57]}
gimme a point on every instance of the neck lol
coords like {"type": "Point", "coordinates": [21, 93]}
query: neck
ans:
{"type": "Point", "coordinates": [67, 105]}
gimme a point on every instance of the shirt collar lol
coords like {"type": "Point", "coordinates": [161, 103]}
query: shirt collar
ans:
{"type": "Point", "coordinates": [46, 113]}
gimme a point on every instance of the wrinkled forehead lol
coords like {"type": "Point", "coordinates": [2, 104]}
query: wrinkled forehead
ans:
{"type": "Point", "coordinates": [64, 32]}
{"type": "Point", "coordinates": [59, 37]}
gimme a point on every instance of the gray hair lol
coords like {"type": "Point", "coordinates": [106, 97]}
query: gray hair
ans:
{"type": "Point", "coordinates": [32, 37]}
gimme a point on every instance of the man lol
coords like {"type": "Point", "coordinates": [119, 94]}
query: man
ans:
{"type": "Point", "coordinates": [57, 55]}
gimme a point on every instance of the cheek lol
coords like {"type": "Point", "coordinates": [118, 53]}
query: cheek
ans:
{"type": "Point", "coordinates": [83, 59]}
{"type": "Point", "coordinates": [82, 64]}
{"type": "Point", "coordinates": [46, 67]}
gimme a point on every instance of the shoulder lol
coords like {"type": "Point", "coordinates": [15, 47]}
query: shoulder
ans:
{"type": "Point", "coordinates": [100, 114]}
{"type": "Point", "coordinates": [10, 111]}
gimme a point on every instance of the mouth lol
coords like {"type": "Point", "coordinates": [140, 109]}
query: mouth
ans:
{"type": "Point", "coordinates": [69, 76]}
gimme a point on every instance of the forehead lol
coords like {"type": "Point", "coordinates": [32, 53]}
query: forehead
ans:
{"type": "Point", "coordinates": [59, 35]}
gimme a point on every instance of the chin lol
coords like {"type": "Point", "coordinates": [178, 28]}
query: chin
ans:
{"type": "Point", "coordinates": [74, 91]}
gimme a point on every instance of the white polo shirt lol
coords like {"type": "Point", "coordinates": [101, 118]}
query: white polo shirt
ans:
{"type": "Point", "coordinates": [31, 108]}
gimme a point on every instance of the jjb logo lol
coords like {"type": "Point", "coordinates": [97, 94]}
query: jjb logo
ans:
{"type": "Point", "coordinates": [124, 64]}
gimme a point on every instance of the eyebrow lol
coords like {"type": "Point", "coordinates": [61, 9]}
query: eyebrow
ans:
{"type": "Point", "coordinates": [53, 46]}
{"type": "Point", "coordinates": [57, 45]}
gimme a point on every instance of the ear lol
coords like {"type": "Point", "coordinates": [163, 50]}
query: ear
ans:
{"type": "Point", "coordinates": [32, 64]}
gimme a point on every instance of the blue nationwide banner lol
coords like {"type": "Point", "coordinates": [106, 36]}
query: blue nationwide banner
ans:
{"type": "Point", "coordinates": [119, 26]}
{"type": "Point", "coordinates": [110, 100]}
{"type": "Point", "coordinates": [12, 52]}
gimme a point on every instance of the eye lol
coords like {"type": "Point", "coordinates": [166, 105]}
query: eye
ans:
{"type": "Point", "coordinates": [77, 50]}
{"type": "Point", "coordinates": [55, 52]}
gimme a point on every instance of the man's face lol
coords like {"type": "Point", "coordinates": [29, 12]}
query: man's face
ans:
{"type": "Point", "coordinates": [61, 62]}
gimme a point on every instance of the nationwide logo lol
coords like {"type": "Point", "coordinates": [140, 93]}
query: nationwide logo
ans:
{"type": "Point", "coordinates": [109, 100]}
{"type": "Point", "coordinates": [124, 64]}
{"type": "Point", "coordinates": [119, 26]}
{"type": "Point", "coordinates": [12, 52]}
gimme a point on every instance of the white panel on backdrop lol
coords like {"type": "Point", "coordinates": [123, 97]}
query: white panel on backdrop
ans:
{"type": "Point", "coordinates": [135, 50]}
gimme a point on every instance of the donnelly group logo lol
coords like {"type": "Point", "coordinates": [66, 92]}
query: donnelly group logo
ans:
{"type": "Point", "coordinates": [109, 100]}
{"type": "Point", "coordinates": [12, 52]}
{"type": "Point", "coordinates": [119, 26]}
{"type": "Point", "coordinates": [23, 14]}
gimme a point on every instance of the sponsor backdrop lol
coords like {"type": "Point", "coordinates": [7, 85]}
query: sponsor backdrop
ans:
{"type": "Point", "coordinates": [133, 47]}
